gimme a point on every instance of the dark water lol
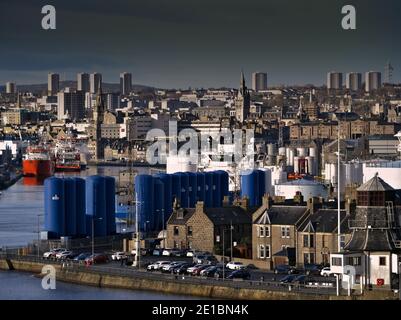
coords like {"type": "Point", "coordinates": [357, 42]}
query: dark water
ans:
{"type": "Point", "coordinates": [19, 209]}
{"type": "Point", "coordinates": [17, 286]}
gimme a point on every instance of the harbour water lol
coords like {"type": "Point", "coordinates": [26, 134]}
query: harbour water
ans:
{"type": "Point", "coordinates": [20, 206]}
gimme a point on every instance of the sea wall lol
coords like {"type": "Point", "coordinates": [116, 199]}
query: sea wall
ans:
{"type": "Point", "coordinates": [172, 287]}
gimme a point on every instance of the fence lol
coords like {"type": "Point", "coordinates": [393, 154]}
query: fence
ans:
{"type": "Point", "coordinates": [310, 287]}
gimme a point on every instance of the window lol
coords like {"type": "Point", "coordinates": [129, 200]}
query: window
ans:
{"type": "Point", "coordinates": [176, 232]}
{"type": "Point", "coordinates": [267, 231]}
{"type": "Point", "coordinates": [382, 261]}
{"type": "Point", "coordinates": [261, 232]}
{"type": "Point", "coordinates": [285, 232]}
{"type": "Point", "coordinates": [306, 241]}
{"type": "Point", "coordinates": [309, 240]}
{"type": "Point", "coordinates": [336, 262]}
{"type": "Point", "coordinates": [267, 252]}
{"type": "Point", "coordinates": [190, 231]}
{"type": "Point", "coordinates": [342, 241]}
{"type": "Point", "coordinates": [264, 251]}
{"type": "Point", "coordinates": [354, 261]}
{"type": "Point", "coordinates": [261, 251]}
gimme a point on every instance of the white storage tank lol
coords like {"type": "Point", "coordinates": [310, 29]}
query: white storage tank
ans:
{"type": "Point", "coordinates": [312, 152]}
{"type": "Point", "coordinates": [271, 149]}
{"type": "Point", "coordinates": [291, 157]}
{"type": "Point", "coordinates": [180, 164]}
{"type": "Point", "coordinates": [308, 188]}
{"type": "Point", "coordinates": [296, 164]}
{"type": "Point", "coordinates": [311, 165]}
{"type": "Point", "coordinates": [301, 152]}
{"type": "Point", "coordinates": [282, 151]}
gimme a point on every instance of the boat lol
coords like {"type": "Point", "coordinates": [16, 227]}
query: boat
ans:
{"type": "Point", "coordinates": [37, 162]}
{"type": "Point", "coordinates": [68, 157]}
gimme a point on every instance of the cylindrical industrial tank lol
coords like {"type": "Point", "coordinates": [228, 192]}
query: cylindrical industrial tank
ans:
{"type": "Point", "coordinates": [54, 219]}
{"type": "Point", "coordinates": [217, 196]}
{"type": "Point", "coordinates": [224, 183]}
{"type": "Point", "coordinates": [176, 187]}
{"type": "Point", "coordinates": [110, 205]}
{"type": "Point", "coordinates": [156, 221]}
{"type": "Point", "coordinates": [70, 207]}
{"type": "Point", "coordinates": [271, 149]}
{"type": "Point", "coordinates": [193, 189]}
{"type": "Point", "coordinates": [249, 186]}
{"type": "Point", "coordinates": [261, 186]}
{"type": "Point", "coordinates": [310, 162]}
{"type": "Point", "coordinates": [291, 157]}
{"type": "Point", "coordinates": [282, 151]}
{"type": "Point", "coordinates": [208, 189]}
{"type": "Point", "coordinates": [184, 189]}
{"type": "Point", "coordinates": [312, 152]}
{"type": "Point", "coordinates": [302, 152]}
{"type": "Point", "coordinates": [268, 180]}
{"type": "Point", "coordinates": [80, 206]}
{"type": "Point", "coordinates": [96, 204]}
{"type": "Point", "coordinates": [144, 197]}
{"type": "Point", "coordinates": [166, 179]}
{"type": "Point", "coordinates": [200, 186]}
{"type": "Point", "coordinates": [296, 165]}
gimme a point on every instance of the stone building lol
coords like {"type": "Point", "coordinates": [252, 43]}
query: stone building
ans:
{"type": "Point", "coordinates": [202, 228]}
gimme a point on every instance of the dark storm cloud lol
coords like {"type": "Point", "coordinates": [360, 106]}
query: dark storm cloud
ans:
{"type": "Point", "coordinates": [180, 43]}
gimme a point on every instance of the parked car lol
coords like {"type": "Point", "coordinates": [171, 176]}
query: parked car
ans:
{"type": "Point", "coordinates": [168, 267]}
{"type": "Point", "coordinates": [116, 256]}
{"type": "Point", "coordinates": [288, 279]}
{"type": "Point", "coordinates": [233, 265]}
{"type": "Point", "coordinates": [300, 279]}
{"type": "Point", "coordinates": [183, 268]}
{"type": "Point", "coordinates": [97, 258]}
{"type": "Point", "coordinates": [197, 271]}
{"type": "Point", "coordinates": [62, 255]}
{"type": "Point", "coordinates": [177, 253]}
{"type": "Point", "coordinates": [219, 273]}
{"type": "Point", "coordinates": [239, 274]}
{"type": "Point", "coordinates": [285, 269]}
{"type": "Point", "coordinates": [190, 270]}
{"type": "Point", "coordinates": [52, 253]}
{"type": "Point", "coordinates": [312, 269]}
{"type": "Point", "coordinates": [82, 256]}
{"type": "Point", "coordinates": [326, 272]}
{"type": "Point", "coordinates": [157, 265]}
{"type": "Point", "coordinates": [209, 271]}
{"type": "Point", "coordinates": [190, 253]}
{"type": "Point", "coordinates": [157, 252]}
{"type": "Point", "coordinates": [166, 252]}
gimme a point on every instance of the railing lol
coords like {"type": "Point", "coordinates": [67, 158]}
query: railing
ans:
{"type": "Point", "coordinates": [310, 287]}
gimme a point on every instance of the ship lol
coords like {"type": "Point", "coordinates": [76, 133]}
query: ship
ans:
{"type": "Point", "coordinates": [68, 157]}
{"type": "Point", "coordinates": [37, 162]}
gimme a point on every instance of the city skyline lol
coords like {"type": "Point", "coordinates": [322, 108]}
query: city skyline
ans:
{"type": "Point", "coordinates": [294, 43]}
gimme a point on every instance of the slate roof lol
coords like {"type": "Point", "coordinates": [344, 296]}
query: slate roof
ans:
{"type": "Point", "coordinates": [325, 220]}
{"type": "Point", "coordinates": [375, 184]}
{"type": "Point", "coordinates": [371, 240]}
{"type": "Point", "coordinates": [175, 221]}
{"type": "Point", "coordinates": [281, 215]}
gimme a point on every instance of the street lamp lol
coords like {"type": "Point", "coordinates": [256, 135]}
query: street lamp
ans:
{"type": "Point", "coordinates": [93, 237]}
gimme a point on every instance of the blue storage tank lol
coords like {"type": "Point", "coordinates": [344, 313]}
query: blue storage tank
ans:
{"type": "Point", "coordinates": [54, 220]}
{"type": "Point", "coordinates": [184, 189]}
{"type": "Point", "coordinates": [176, 186]}
{"type": "Point", "coordinates": [157, 218]}
{"type": "Point", "coordinates": [224, 183]}
{"type": "Point", "coordinates": [249, 186]}
{"type": "Point", "coordinates": [80, 206]}
{"type": "Point", "coordinates": [144, 196]}
{"type": "Point", "coordinates": [96, 204]}
{"type": "Point", "coordinates": [261, 186]}
{"type": "Point", "coordinates": [208, 189]}
{"type": "Point", "coordinates": [168, 198]}
{"type": "Point", "coordinates": [110, 205]}
{"type": "Point", "coordinates": [217, 196]}
{"type": "Point", "coordinates": [70, 206]}
{"type": "Point", "coordinates": [200, 181]}
{"type": "Point", "coordinates": [193, 189]}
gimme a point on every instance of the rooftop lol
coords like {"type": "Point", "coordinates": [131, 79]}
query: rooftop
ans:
{"type": "Point", "coordinates": [375, 184]}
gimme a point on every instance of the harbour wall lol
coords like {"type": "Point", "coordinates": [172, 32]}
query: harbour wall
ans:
{"type": "Point", "coordinates": [102, 279]}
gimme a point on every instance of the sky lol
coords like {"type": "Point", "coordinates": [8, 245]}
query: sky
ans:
{"type": "Point", "coordinates": [197, 43]}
